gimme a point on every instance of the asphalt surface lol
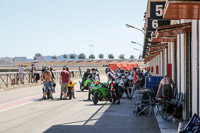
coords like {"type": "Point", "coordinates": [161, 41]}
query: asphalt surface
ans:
{"type": "Point", "coordinates": [21, 111]}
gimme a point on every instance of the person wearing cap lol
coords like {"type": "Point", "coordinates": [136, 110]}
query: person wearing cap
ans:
{"type": "Point", "coordinates": [135, 81]}
{"type": "Point", "coordinates": [64, 80]}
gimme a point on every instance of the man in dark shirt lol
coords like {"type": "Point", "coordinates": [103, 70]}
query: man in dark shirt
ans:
{"type": "Point", "coordinates": [86, 75]}
{"type": "Point", "coordinates": [94, 75]}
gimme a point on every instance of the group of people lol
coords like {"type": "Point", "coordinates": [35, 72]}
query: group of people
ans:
{"type": "Point", "coordinates": [138, 81]}
{"type": "Point", "coordinates": [137, 74]}
{"type": "Point", "coordinates": [48, 78]}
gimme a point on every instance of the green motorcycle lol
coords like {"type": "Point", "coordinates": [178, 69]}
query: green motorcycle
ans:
{"type": "Point", "coordinates": [85, 85]}
{"type": "Point", "coordinates": [100, 92]}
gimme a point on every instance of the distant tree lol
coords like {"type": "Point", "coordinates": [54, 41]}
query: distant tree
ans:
{"type": "Point", "coordinates": [82, 56]}
{"type": "Point", "coordinates": [54, 57]}
{"type": "Point", "coordinates": [65, 56]}
{"type": "Point", "coordinates": [140, 56]}
{"type": "Point", "coordinates": [121, 57]}
{"type": "Point", "coordinates": [38, 55]}
{"type": "Point", "coordinates": [111, 56]}
{"type": "Point", "coordinates": [132, 57]}
{"type": "Point", "coordinates": [72, 56]}
{"type": "Point", "coordinates": [101, 56]}
{"type": "Point", "coordinates": [91, 56]}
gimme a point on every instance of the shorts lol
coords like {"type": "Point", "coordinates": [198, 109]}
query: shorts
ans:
{"type": "Point", "coordinates": [21, 76]}
{"type": "Point", "coordinates": [48, 85]}
{"type": "Point", "coordinates": [64, 87]}
{"type": "Point", "coordinates": [167, 91]}
{"type": "Point", "coordinates": [135, 86]}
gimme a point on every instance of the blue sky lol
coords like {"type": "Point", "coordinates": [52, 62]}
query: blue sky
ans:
{"type": "Point", "coordinates": [56, 27]}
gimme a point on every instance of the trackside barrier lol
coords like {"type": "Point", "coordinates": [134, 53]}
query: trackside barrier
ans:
{"type": "Point", "coordinates": [10, 79]}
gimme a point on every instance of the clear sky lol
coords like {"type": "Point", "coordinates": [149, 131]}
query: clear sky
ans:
{"type": "Point", "coordinates": [56, 27]}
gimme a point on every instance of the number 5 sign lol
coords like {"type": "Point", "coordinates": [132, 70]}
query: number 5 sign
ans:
{"type": "Point", "coordinates": [156, 9]}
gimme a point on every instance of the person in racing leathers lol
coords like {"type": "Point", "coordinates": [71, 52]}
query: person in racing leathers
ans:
{"type": "Point", "coordinates": [93, 76]}
{"type": "Point", "coordinates": [110, 82]}
{"type": "Point", "coordinates": [86, 75]}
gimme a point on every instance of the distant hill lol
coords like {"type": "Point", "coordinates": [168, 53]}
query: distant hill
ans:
{"type": "Point", "coordinates": [60, 58]}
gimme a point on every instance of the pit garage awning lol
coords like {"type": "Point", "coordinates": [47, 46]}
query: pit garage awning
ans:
{"type": "Point", "coordinates": [154, 50]}
{"type": "Point", "coordinates": [172, 31]}
{"type": "Point", "coordinates": [182, 9]}
{"type": "Point", "coordinates": [169, 33]}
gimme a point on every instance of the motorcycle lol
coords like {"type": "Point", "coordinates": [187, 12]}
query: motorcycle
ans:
{"type": "Point", "coordinates": [71, 89]}
{"type": "Point", "coordinates": [100, 92]}
{"type": "Point", "coordinates": [85, 85]}
{"type": "Point", "coordinates": [119, 87]}
{"type": "Point", "coordinates": [48, 91]}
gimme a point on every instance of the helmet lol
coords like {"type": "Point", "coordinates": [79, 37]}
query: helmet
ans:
{"type": "Point", "coordinates": [107, 70]}
{"type": "Point", "coordinates": [93, 69]}
{"type": "Point", "coordinates": [121, 71]}
{"type": "Point", "coordinates": [67, 68]}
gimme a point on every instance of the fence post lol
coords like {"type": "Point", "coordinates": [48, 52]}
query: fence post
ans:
{"type": "Point", "coordinates": [6, 80]}
{"type": "Point", "coordinates": [29, 78]}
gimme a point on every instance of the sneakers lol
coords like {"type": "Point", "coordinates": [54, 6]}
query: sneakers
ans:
{"type": "Point", "coordinates": [44, 98]}
{"type": "Point", "coordinates": [51, 97]}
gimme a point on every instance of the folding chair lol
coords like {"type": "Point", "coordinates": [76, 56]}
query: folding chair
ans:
{"type": "Point", "coordinates": [143, 107]}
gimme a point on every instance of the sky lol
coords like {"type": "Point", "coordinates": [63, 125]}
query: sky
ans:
{"type": "Point", "coordinates": [57, 27]}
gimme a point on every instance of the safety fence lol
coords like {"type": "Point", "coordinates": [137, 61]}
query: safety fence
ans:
{"type": "Point", "coordinates": [12, 79]}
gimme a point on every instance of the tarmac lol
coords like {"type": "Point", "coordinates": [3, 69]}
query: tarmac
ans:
{"type": "Point", "coordinates": [22, 111]}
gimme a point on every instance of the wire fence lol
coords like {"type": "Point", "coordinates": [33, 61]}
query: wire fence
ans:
{"type": "Point", "coordinates": [12, 79]}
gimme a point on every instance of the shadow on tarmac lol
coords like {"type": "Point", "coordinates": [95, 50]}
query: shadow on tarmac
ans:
{"type": "Point", "coordinates": [116, 119]}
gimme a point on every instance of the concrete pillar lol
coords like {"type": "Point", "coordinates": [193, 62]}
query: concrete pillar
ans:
{"type": "Point", "coordinates": [165, 58]}
{"type": "Point", "coordinates": [183, 74]}
{"type": "Point", "coordinates": [161, 63]}
{"type": "Point", "coordinates": [178, 64]}
{"type": "Point", "coordinates": [173, 61]}
{"type": "Point", "coordinates": [158, 63]}
{"type": "Point", "coordinates": [198, 82]}
{"type": "Point", "coordinates": [195, 73]}
{"type": "Point", "coordinates": [169, 53]}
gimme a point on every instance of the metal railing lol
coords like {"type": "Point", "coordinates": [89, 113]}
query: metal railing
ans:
{"type": "Point", "coordinates": [11, 79]}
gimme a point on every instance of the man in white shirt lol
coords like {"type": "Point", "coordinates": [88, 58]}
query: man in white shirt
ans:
{"type": "Point", "coordinates": [21, 74]}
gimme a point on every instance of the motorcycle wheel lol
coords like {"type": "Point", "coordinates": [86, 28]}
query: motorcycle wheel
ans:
{"type": "Point", "coordinates": [70, 93]}
{"type": "Point", "coordinates": [81, 87]}
{"type": "Point", "coordinates": [95, 98]}
{"type": "Point", "coordinates": [48, 94]}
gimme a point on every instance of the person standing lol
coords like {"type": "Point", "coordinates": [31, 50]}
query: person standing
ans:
{"type": "Point", "coordinates": [21, 73]}
{"type": "Point", "coordinates": [64, 80]}
{"type": "Point", "coordinates": [165, 87]}
{"type": "Point", "coordinates": [46, 77]}
{"type": "Point", "coordinates": [135, 81]}
{"type": "Point", "coordinates": [80, 71]}
{"type": "Point", "coordinates": [70, 81]}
